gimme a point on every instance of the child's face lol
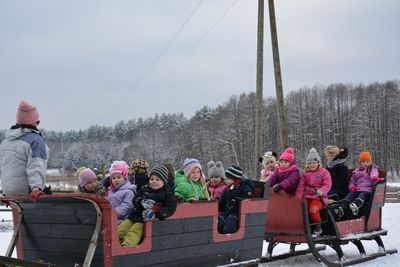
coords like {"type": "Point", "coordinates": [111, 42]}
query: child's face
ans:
{"type": "Point", "coordinates": [312, 166]}
{"type": "Point", "coordinates": [365, 164]}
{"type": "Point", "coordinates": [92, 185]}
{"type": "Point", "coordinates": [117, 179]}
{"type": "Point", "coordinates": [284, 163]}
{"type": "Point", "coordinates": [155, 182]}
{"type": "Point", "coordinates": [269, 165]}
{"type": "Point", "coordinates": [229, 182]}
{"type": "Point", "coordinates": [195, 174]}
{"type": "Point", "coordinates": [216, 180]}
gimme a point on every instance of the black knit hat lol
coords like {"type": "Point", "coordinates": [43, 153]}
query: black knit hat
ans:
{"type": "Point", "coordinates": [234, 172]}
{"type": "Point", "coordinates": [161, 172]}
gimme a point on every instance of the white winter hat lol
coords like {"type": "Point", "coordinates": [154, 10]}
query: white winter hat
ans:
{"type": "Point", "coordinates": [313, 156]}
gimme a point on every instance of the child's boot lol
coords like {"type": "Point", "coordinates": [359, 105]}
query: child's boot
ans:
{"type": "Point", "coordinates": [317, 230]}
{"type": "Point", "coordinates": [341, 207]}
{"type": "Point", "coordinates": [355, 206]}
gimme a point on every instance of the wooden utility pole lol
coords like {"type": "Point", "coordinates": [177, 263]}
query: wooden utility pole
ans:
{"type": "Point", "coordinates": [278, 76]}
{"type": "Point", "coordinates": [259, 90]}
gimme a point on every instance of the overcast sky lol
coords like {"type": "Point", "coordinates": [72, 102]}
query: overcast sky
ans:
{"type": "Point", "coordinates": [98, 62]}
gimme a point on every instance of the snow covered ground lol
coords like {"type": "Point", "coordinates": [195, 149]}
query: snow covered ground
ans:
{"type": "Point", "coordinates": [391, 219]}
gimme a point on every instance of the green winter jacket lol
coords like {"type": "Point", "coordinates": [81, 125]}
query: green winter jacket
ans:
{"type": "Point", "coordinates": [186, 189]}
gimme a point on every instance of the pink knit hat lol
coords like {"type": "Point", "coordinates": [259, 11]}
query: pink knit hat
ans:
{"type": "Point", "coordinates": [86, 176]}
{"type": "Point", "coordinates": [288, 155]}
{"type": "Point", "coordinates": [189, 164]}
{"type": "Point", "coordinates": [27, 113]}
{"type": "Point", "coordinates": [120, 167]}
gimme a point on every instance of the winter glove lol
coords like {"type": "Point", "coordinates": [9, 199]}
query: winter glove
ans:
{"type": "Point", "coordinates": [34, 195]}
{"type": "Point", "coordinates": [147, 203]}
{"type": "Point", "coordinates": [277, 188]}
{"type": "Point", "coordinates": [353, 189]}
{"type": "Point", "coordinates": [318, 192]}
{"type": "Point", "coordinates": [377, 179]}
{"type": "Point", "coordinates": [47, 190]}
{"type": "Point", "coordinates": [148, 214]}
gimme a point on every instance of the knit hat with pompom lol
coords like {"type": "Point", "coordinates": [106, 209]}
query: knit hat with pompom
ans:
{"type": "Point", "coordinates": [288, 155]}
{"type": "Point", "coordinates": [119, 167]}
{"type": "Point", "coordinates": [27, 113]}
{"type": "Point", "coordinates": [313, 156]}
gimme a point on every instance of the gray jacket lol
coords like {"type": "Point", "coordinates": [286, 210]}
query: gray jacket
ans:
{"type": "Point", "coordinates": [23, 161]}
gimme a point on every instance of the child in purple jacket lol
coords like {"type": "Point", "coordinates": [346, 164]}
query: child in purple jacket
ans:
{"type": "Point", "coordinates": [360, 185]}
{"type": "Point", "coordinates": [121, 191]}
{"type": "Point", "coordinates": [287, 177]}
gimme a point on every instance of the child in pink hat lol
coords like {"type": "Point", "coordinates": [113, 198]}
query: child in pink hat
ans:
{"type": "Point", "coordinates": [288, 176]}
{"type": "Point", "coordinates": [121, 191]}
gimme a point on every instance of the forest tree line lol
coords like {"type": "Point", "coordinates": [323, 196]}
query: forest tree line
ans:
{"type": "Point", "coordinates": [359, 117]}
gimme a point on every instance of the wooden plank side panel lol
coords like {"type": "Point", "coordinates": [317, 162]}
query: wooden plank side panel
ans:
{"type": "Point", "coordinates": [197, 242]}
{"type": "Point", "coordinates": [60, 259]}
{"type": "Point", "coordinates": [59, 231]}
{"type": "Point", "coordinates": [213, 260]}
{"type": "Point", "coordinates": [168, 227]}
{"type": "Point", "coordinates": [62, 231]}
{"type": "Point", "coordinates": [56, 244]}
{"type": "Point", "coordinates": [225, 251]}
{"type": "Point", "coordinates": [183, 240]}
{"type": "Point", "coordinates": [73, 214]}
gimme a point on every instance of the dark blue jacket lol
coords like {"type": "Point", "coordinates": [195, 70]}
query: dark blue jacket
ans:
{"type": "Point", "coordinates": [229, 202]}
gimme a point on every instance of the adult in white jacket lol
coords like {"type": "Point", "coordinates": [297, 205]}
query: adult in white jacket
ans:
{"type": "Point", "coordinates": [24, 155]}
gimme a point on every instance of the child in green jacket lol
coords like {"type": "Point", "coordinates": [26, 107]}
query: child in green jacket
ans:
{"type": "Point", "coordinates": [190, 182]}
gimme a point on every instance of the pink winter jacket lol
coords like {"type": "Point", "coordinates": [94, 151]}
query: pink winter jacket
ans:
{"type": "Point", "coordinates": [217, 190]}
{"type": "Point", "coordinates": [266, 174]}
{"type": "Point", "coordinates": [311, 180]}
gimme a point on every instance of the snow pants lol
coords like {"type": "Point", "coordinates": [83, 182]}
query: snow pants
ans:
{"type": "Point", "coordinates": [130, 233]}
{"type": "Point", "coordinates": [314, 206]}
{"type": "Point", "coordinates": [227, 223]}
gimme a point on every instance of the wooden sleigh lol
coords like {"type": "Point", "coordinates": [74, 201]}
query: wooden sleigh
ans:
{"type": "Point", "coordinates": [288, 222]}
{"type": "Point", "coordinates": [81, 230]}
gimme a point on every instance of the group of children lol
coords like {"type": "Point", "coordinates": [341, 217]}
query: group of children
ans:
{"type": "Point", "coordinates": [134, 191]}
{"type": "Point", "coordinates": [317, 183]}
{"type": "Point", "coordinates": [138, 194]}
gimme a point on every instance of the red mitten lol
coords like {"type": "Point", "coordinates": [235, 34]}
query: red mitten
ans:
{"type": "Point", "coordinates": [34, 195]}
{"type": "Point", "coordinates": [354, 189]}
{"type": "Point", "coordinates": [376, 179]}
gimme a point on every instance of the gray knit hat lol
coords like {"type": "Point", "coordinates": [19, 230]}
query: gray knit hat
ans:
{"type": "Point", "coordinates": [313, 156]}
{"type": "Point", "coordinates": [234, 172]}
{"type": "Point", "coordinates": [215, 169]}
{"type": "Point", "coordinates": [161, 172]}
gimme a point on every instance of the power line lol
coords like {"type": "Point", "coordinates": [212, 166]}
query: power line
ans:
{"type": "Point", "coordinates": [182, 59]}
{"type": "Point", "coordinates": [129, 92]}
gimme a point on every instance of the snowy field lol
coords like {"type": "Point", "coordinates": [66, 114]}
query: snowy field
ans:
{"type": "Point", "coordinates": [391, 219]}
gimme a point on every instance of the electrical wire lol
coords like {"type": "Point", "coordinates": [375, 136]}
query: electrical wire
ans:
{"type": "Point", "coordinates": [124, 97]}
{"type": "Point", "coordinates": [152, 90]}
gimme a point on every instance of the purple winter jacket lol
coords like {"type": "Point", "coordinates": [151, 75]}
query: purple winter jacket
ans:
{"type": "Point", "coordinates": [362, 180]}
{"type": "Point", "coordinates": [120, 198]}
{"type": "Point", "coordinates": [288, 180]}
